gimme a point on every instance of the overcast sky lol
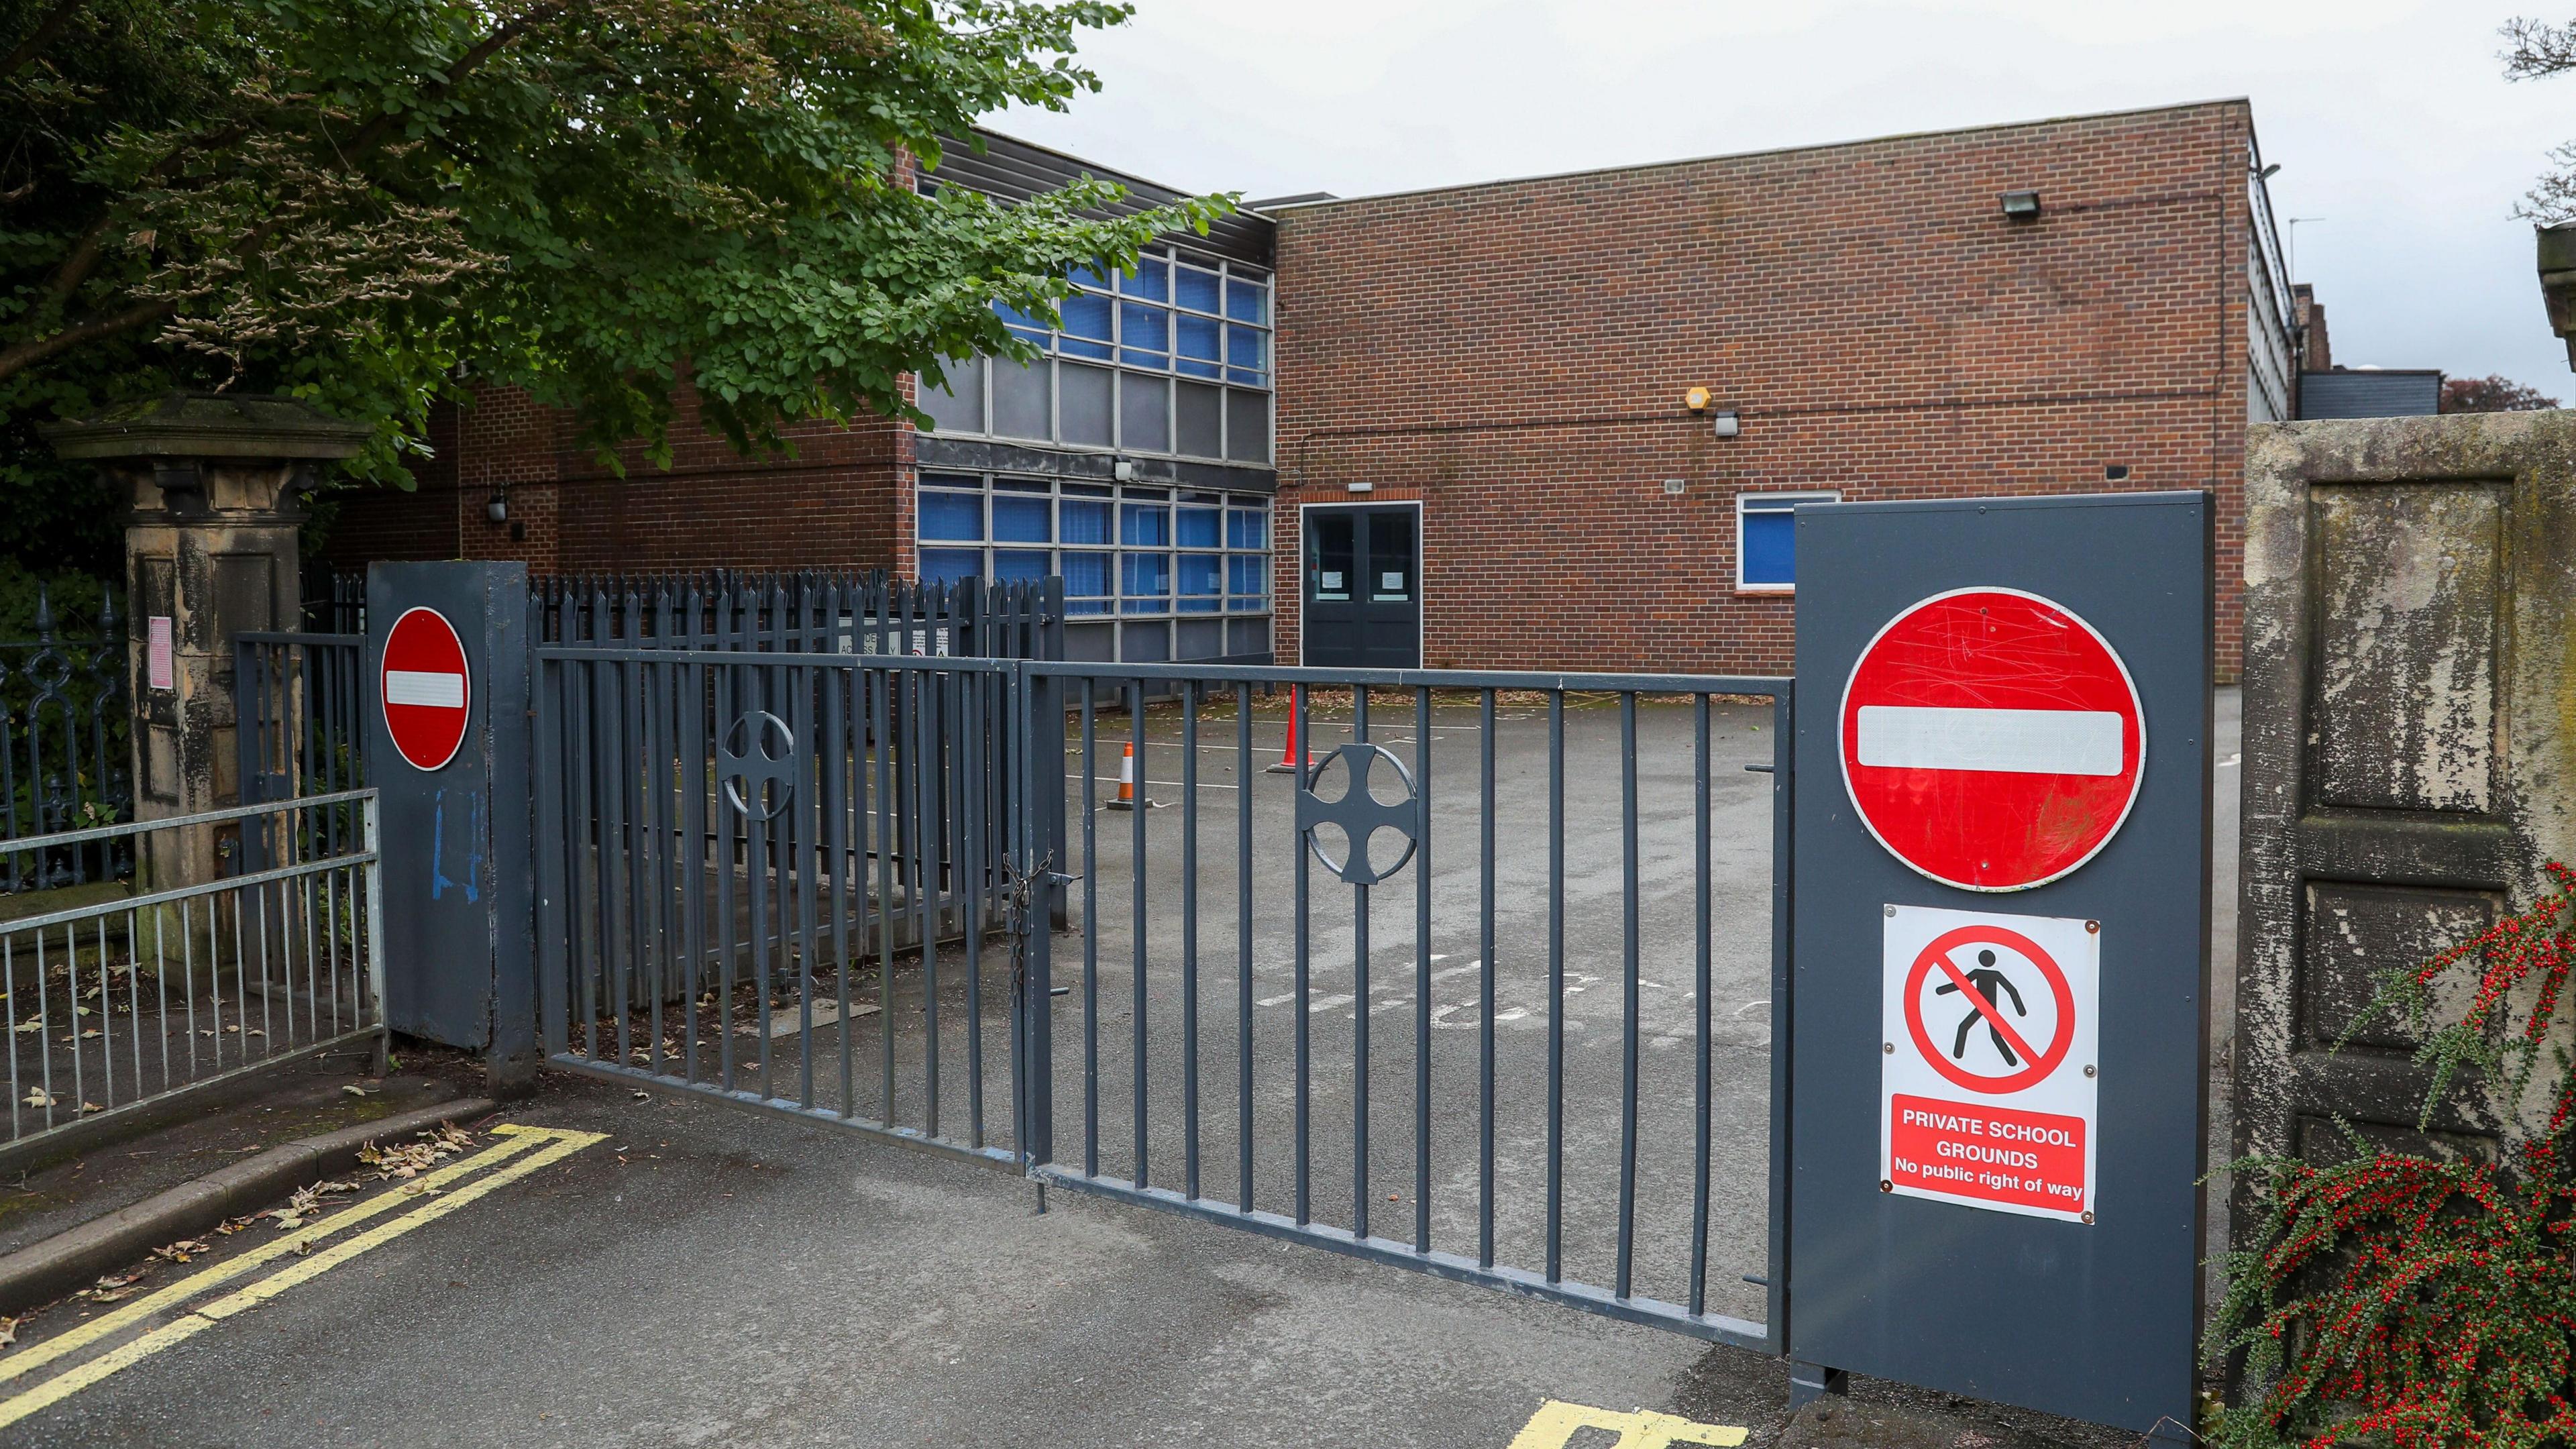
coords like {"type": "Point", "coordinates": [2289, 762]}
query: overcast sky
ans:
{"type": "Point", "coordinates": [2391, 120]}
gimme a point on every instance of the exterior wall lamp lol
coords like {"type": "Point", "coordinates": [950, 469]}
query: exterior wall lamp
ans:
{"type": "Point", "coordinates": [498, 508]}
{"type": "Point", "coordinates": [1726, 423]}
{"type": "Point", "coordinates": [2020, 205]}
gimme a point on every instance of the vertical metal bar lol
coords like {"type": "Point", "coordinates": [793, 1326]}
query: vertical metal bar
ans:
{"type": "Point", "coordinates": [1422, 970]}
{"type": "Point", "coordinates": [188, 975]}
{"type": "Point", "coordinates": [694, 861]}
{"type": "Point", "coordinates": [1090, 935]}
{"type": "Point", "coordinates": [974, 758]}
{"type": "Point", "coordinates": [134, 995]}
{"type": "Point", "coordinates": [1304, 1055]}
{"type": "Point", "coordinates": [925, 876]}
{"type": "Point", "coordinates": [1136, 916]}
{"type": "Point", "coordinates": [613, 743]}
{"type": "Point", "coordinates": [1784, 1005]}
{"type": "Point", "coordinates": [551, 850]}
{"type": "Point", "coordinates": [1555, 985]}
{"type": "Point", "coordinates": [9, 984]}
{"type": "Point", "coordinates": [45, 1019]}
{"type": "Point", "coordinates": [1357, 859]}
{"type": "Point", "coordinates": [731, 823]}
{"type": "Point", "coordinates": [1189, 936]}
{"type": "Point", "coordinates": [1703, 1019]}
{"type": "Point", "coordinates": [846, 771]}
{"type": "Point", "coordinates": [1244, 771]}
{"type": "Point", "coordinates": [373, 825]}
{"type": "Point", "coordinates": [882, 715]}
{"type": "Point", "coordinates": [1485, 969]}
{"type": "Point", "coordinates": [804, 817]}
{"type": "Point", "coordinates": [1628, 963]}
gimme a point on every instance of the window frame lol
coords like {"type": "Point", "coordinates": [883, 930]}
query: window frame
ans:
{"type": "Point", "coordinates": [1115, 499]}
{"type": "Point", "coordinates": [1784, 500]}
{"type": "Point", "coordinates": [1053, 357]}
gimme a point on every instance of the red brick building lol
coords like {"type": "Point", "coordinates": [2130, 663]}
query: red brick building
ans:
{"type": "Point", "coordinates": [1487, 449]}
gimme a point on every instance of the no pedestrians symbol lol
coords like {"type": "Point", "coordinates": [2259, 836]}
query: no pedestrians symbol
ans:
{"type": "Point", "coordinates": [1988, 1093]}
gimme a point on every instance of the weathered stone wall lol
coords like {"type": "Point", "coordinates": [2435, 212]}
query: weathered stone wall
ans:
{"type": "Point", "coordinates": [2410, 749]}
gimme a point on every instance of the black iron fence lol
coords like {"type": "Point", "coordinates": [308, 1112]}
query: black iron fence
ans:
{"type": "Point", "coordinates": [65, 728]}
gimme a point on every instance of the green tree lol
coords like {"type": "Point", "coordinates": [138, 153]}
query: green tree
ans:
{"type": "Point", "coordinates": [364, 201]}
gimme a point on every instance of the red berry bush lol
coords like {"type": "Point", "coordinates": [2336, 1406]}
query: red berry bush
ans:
{"type": "Point", "coordinates": [2401, 1301]}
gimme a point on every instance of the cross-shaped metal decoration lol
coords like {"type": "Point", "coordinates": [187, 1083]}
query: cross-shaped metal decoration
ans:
{"type": "Point", "coordinates": [754, 770]}
{"type": "Point", "coordinates": [1358, 812]}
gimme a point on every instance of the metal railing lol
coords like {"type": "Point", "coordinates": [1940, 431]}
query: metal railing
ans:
{"type": "Point", "coordinates": [117, 1005]}
{"type": "Point", "coordinates": [64, 731]}
{"type": "Point", "coordinates": [299, 705]}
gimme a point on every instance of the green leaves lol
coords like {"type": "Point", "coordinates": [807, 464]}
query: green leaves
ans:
{"type": "Point", "coordinates": [598, 200]}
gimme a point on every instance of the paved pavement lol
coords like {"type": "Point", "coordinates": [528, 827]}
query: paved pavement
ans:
{"type": "Point", "coordinates": [710, 1275]}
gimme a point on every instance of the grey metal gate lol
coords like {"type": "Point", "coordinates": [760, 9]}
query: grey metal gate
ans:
{"type": "Point", "coordinates": [821, 882]}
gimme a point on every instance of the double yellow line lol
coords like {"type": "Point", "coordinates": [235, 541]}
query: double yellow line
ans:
{"type": "Point", "coordinates": [532, 1147]}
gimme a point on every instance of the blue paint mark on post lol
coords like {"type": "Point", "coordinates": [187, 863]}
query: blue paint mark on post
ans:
{"type": "Point", "coordinates": [438, 881]}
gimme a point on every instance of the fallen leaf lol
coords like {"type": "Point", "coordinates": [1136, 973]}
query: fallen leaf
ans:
{"type": "Point", "coordinates": [32, 1024]}
{"type": "Point", "coordinates": [39, 1097]}
{"type": "Point", "coordinates": [354, 1090]}
{"type": "Point", "coordinates": [8, 1332]}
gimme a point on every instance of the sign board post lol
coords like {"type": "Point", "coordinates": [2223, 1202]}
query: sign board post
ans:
{"type": "Point", "coordinates": [448, 752]}
{"type": "Point", "coordinates": [2003, 829]}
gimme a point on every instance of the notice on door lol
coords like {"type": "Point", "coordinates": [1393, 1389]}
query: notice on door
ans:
{"type": "Point", "coordinates": [1987, 1091]}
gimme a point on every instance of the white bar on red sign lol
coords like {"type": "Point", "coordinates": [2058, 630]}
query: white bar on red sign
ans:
{"type": "Point", "coordinates": [2009, 741]}
{"type": "Point", "coordinates": [411, 686]}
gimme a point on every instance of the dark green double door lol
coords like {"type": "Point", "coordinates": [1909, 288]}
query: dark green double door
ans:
{"type": "Point", "coordinates": [1363, 600]}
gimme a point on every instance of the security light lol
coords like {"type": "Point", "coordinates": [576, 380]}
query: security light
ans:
{"type": "Point", "coordinates": [498, 509]}
{"type": "Point", "coordinates": [2021, 205]}
{"type": "Point", "coordinates": [1726, 424]}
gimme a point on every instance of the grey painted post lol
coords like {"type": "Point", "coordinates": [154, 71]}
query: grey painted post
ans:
{"type": "Point", "coordinates": [209, 485]}
{"type": "Point", "coordinates": [459, 888]}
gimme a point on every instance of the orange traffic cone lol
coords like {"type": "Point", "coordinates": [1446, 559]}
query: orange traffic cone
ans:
{"type": "Point", "coordinates": [1126, 778]}
{"type": "Point", "coordinates": [1293, 760]}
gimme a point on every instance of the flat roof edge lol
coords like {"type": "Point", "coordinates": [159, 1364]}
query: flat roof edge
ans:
{"type": "Point", "coordinates": [1641, 166]}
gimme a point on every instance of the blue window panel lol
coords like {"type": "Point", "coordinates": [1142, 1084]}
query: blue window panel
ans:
{"type": "Point", "coordinates": [1019, 565]}
{"type": "Point", "coordinates": [1152, 279]}
{"type": "Point", "coordinates": [1247, 301]}
{"type": "Point", "coordinates": [1090, 277]}
{"type": "Point", "coordinates": [1244, 528]}
{"type": "Point", "coordinates": [948, 565]}
{"type": "Point", "coordinates": [1021, 520]}
{"type": "Point", "coordinates": [1145, 583]}
{"type": "Point", "coordinates": [1198, 340]}
{"type": "Point", "coordinates": [1196, 289]}
{"type": "Point", "coordinates": [1201, 527]}
{"type": "Point", "coordinates": [1083, 522]}
{"type": "Point", "coordinates": [1146, 524]}
{"type": "Point", "coordinates": [1247, 576]}
{"type": "Point", "coordinates": [1201, 577]}
{"type": "Point", "coordinates": [1144, 335]}
{"type": "Point", "coordinates": [1022, 325]}
{"type": "Point", "coordinates": [1770, 547]}
{"type": "Point", "coordinates": [1086, 326]}
{"type": "Point", "coordinates": [952, 515]}
{"type": "Point", "coordinates": [1244, 354]}
{"type": "Point", "coordinates": [1086, 583]}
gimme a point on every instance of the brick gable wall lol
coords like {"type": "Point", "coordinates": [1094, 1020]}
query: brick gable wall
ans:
{"type": "Point", "coordinates": [1515, 356]}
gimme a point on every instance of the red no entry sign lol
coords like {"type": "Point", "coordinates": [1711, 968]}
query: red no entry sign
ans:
{"type": "Point", "coordinates": [426, 689]}
{"type": "Point", "coordinates": [1991, 739]}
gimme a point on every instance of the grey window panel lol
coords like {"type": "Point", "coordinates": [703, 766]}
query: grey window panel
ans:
{"type": "Point", "coordinates": [1144, 413]}
{"type": "Point", "coordinates": [1199, 413]}
{"type": "Point", "coordinates": [1247, 426]}
{"type": "Point", "coordinates": [960, 407]}
{"type": "Point", "coordinates": [1022, 407]}
{"type": "Point", "coordinates": [1085, 413]}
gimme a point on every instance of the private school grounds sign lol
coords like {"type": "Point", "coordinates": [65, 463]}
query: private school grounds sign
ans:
{"type": "Point", "coordinates": [1999, 941]}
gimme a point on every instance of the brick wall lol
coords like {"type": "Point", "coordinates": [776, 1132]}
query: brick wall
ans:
{"type": "Point", "coordinates": [835, 502]}
{"type": "Point", "coordinates": [1515, 356]}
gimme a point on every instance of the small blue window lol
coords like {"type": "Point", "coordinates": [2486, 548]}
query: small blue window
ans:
{"type": "Point", "coordinates": [1020, 520]}
{"type": "Point", "coordinates": [1766, 538]}
{"type": "Point", "coordinates": [1022, 325]}
{"type": "Point", "coordinates": [1085, 522]}
{"type": "Point", "coordinates": [1198, 341]}
{"type": "Point", "coordinates": [1152, 278]}
{"type": "Point", "coordinates": [1195, 289]}
{"type": "Point", "coordinates": [1200, 577]}
{"type": "Point", "coordinates": [1019, 565]}
{"type": "Point", "coordinates": [952, 515]}
{"type": "Point", "coordinates": [1245, 576]}
{"type": "Point", "coordinates": [948, 565]}
{"type": "Point", "coordinates": [1149, 524]}
{"type": "Point", "coordinates": [1199, 527]}
{"type": "Point", "coordinates": [1243, 529]}
{"type": "Point", "coordinates": [1247, 301]}
{"type": "Point", "coordinates": [1243, 351]}
{"type": "Point", "coordinates": [1086, 583]}
{"type": "Point", "coordinates": [1146, 583]}
{"type": "Point", "coordinates": [1144, 335]}
{"type": "Point", "coordinates": [1086, 326]}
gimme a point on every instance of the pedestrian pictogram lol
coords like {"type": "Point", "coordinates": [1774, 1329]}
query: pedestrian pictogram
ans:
{"type": "Point", "coordinates": [1988, 1089]}
{"type": "Point", "coordinates": [1991, 739]}
{"type": "Point", "coordinates": [426, 689]}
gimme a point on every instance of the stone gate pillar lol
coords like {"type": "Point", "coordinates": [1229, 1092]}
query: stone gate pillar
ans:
{"type": "Point", "coordinates": [209, 483]}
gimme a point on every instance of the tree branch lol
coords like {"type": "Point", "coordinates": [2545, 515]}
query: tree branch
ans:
{"type": "Point", "coordinates": [493, 44]}
{"type": "Point", "coordinates": [21, 356]}
{"type": "Point", "coordinates": [43, 35]}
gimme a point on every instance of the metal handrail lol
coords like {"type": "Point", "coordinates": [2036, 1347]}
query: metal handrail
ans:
{"type": "Point", "coordinates": [174, 822]}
